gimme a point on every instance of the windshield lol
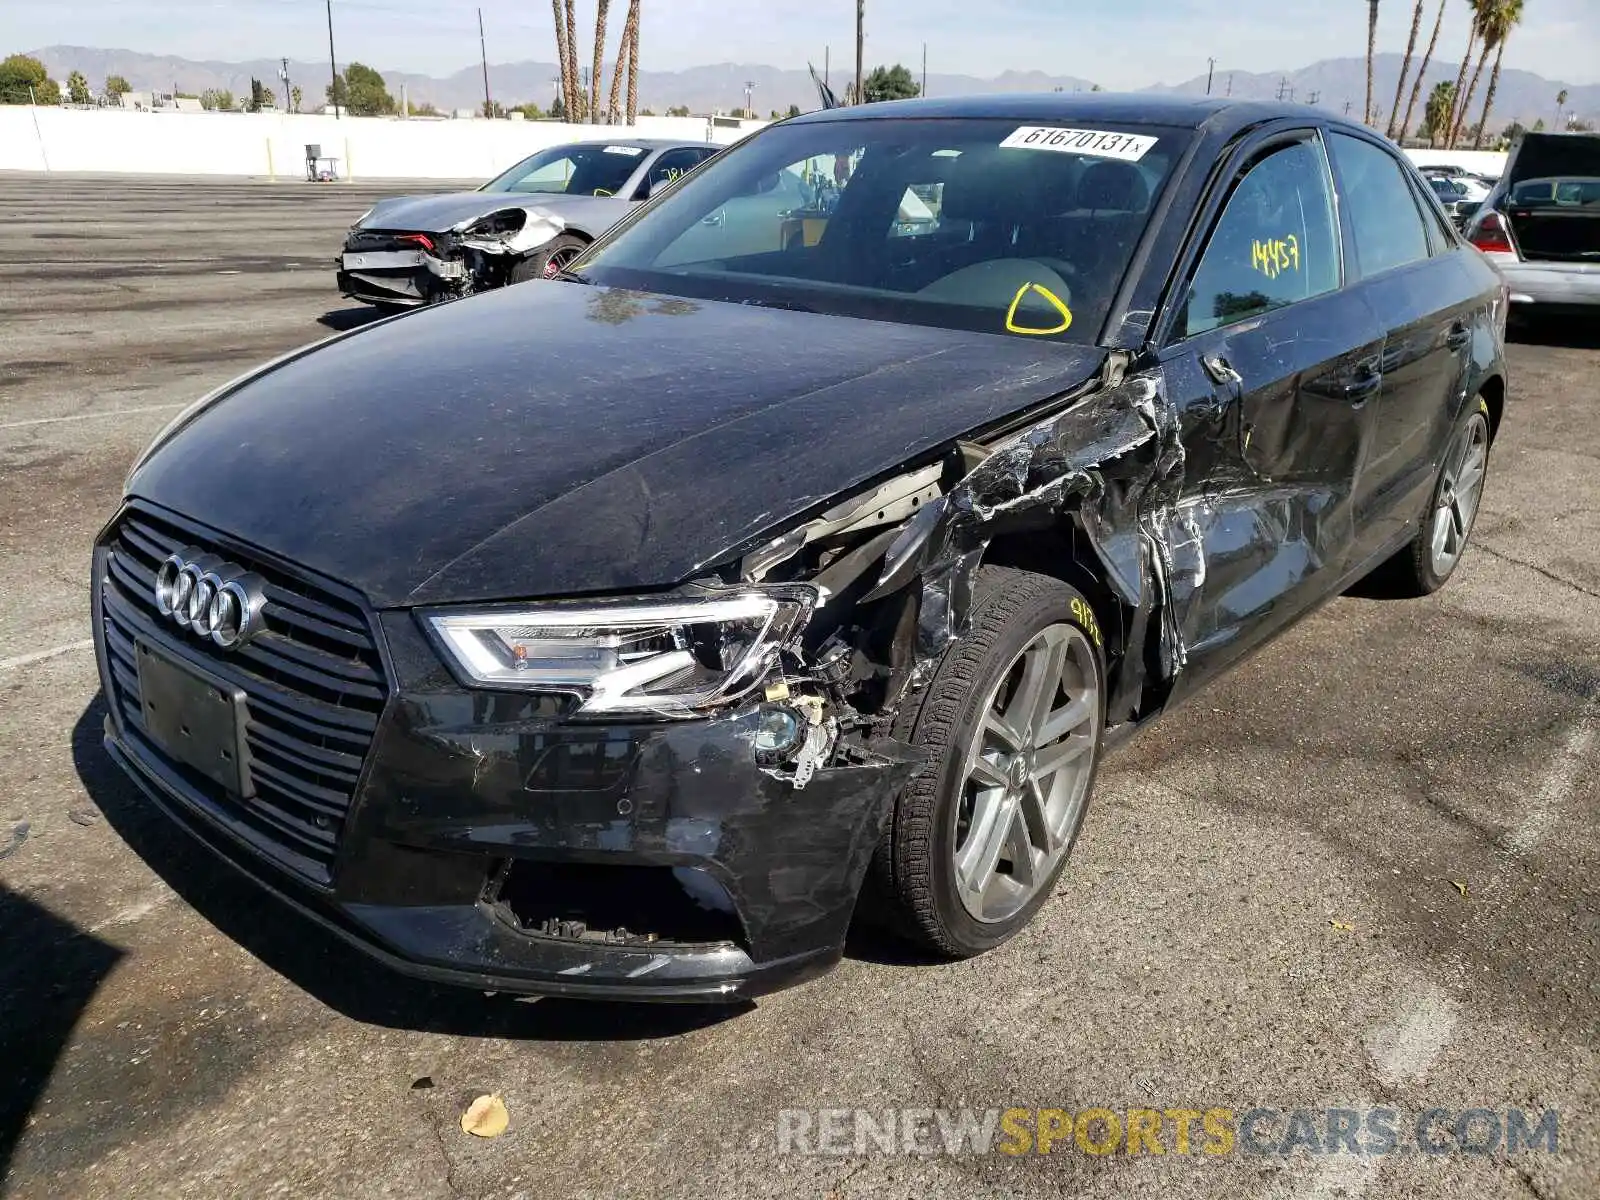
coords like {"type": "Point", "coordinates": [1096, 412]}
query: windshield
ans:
{"type": "Point", "coordinates": [985, 225]}
{"type": "Point", "coordinates": [583, 170]}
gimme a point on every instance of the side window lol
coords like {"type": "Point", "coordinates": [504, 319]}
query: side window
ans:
{"type": "Point", "coordinates": [1385, 223]}
{"type": "Point", "coordinates": [669, 166]}
{"type": "Point", "coordinates": [1275, 244]}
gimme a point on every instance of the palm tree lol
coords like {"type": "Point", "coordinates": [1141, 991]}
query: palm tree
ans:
{"type": "Point", "coordinates": [1422, 71]}
{"type": "Point", "coordinates": [1405, 67]}
{"type": "Point", "coordinates": [562, 36]}
{"type": "Point", "coordinates": [633, 61]}
{"type": "Point", "coordinates": [1487, 23]}
{"type": "Point", "coordinates": [1436, 114]}
{"type": "Point", "coordinates": [1561, 102]}
{"type": "Point", "coordinates": [601, 9]}
{"type": "Point", "coordinates": [569, 65]}
{"type": "Point", "coordinates": [1508, 15]}
{"type": "Point", "coordinates": [1466, 60]}
{"type": "Point", "coordinates": [618, 69]}
{"type": "Point", "coordinates": [1367, 115]}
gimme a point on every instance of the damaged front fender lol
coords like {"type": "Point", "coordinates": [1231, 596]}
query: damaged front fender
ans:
{"type": "Point", "coordinates": [1110, 465]}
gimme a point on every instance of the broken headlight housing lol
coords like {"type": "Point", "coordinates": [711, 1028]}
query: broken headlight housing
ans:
{"type": "Point", "coordinates": [674, 656]}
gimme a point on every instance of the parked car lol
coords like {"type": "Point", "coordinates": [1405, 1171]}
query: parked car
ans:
{"type": "Point", "coordinates": [1541, 224]}
{"type": "Point", "coordinates": [631, 634]}
{"type": "Point", "coordinates": [524, 224]}
{"type": "Point", "coordinates": [1454, 198]}
{"type": "Point", "coordinates": [1473, 187]}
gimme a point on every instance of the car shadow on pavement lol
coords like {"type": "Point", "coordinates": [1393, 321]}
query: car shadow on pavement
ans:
{"type": "Point", "coordinates": [49, 972]}
{"type": "Point", "coordinates": [324, 966]}
{"type": "Point", "coordinates": [341, 320]}
{"type": "Point", "coordinates": [1575, 333]}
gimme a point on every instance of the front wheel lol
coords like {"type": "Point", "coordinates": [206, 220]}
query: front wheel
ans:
{"type": "Point", "coordinates": [549, 259]}
{"type": "Point", "coordinates": [1013, 716]}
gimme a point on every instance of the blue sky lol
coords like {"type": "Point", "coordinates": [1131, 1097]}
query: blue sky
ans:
{"type": "Point", "coordinates": [1119, 43]}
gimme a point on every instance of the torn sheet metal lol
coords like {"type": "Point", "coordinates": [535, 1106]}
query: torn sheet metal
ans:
{"type": "Point", "coordinates": [1113, 461]}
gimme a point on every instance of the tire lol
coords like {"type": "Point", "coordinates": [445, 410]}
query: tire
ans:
{"type": "Point", "coordinates": [1418, 569]}
{"type": "Point", "coordinates": [560, 250]}
{"type": "Point", "coordinates": [939, 814]}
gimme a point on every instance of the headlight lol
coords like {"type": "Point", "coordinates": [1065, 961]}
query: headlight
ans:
{"type": "Point", "coordinates": [673, 656]}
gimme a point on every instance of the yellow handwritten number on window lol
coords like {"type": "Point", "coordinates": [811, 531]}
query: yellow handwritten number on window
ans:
{"type": "Point", "coordinates": [1055, 301]}
{"type": "Point", "coordinates": [1275, 255]}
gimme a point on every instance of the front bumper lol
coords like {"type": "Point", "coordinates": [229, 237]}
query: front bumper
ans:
{"type": "Point", "coordinates": [465, 792]}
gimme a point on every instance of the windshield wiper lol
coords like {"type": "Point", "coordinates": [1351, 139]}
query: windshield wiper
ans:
{"type": "Point", "coordinates": [572, 277]}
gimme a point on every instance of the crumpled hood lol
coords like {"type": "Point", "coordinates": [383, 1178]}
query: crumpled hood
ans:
{"type": "Point", "coordinates": [441, 213]}
{"type": "Point", "coordinates": [552, 438]}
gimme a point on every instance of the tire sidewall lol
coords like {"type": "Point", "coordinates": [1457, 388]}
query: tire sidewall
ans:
{"type": "Point", "coordinates": [960, 926]}
{"type": "Point", "coordinates": [1478, 409]}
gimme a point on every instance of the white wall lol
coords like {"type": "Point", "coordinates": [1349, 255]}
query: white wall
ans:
{"type": "Point", "coordinates": [174, 143]}
{"type": "Point", "coordinates": [1479, 162]}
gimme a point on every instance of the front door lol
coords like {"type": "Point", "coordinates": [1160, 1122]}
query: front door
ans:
{"type": "Point", "coordinates": [1274, 367]}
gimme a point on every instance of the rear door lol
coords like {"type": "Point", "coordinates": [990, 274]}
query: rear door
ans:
{"type": "Point", "coordinates": [1273, 365]}
{"type": "Point", "coordinates": [1425, 295]}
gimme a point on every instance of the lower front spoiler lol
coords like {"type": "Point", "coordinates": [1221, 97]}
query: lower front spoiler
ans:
{"type": "Point", "coordinates": [395, 291]}
{"type": "Point", "coordinates": [398, 936]}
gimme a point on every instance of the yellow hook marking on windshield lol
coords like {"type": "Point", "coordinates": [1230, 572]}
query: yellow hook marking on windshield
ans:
{"type": "Point", "coordinates": [1059, 304]}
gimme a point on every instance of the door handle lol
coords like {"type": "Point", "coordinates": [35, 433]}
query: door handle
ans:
{"type": "Point", "coordinates": [1219, 370]}
{"type": "Point", "coordinates": [1366, 384]}
{"type": "Point", "coordinates": [719, 217]}
{"type": "Point", "coordinates": [1459, 336]}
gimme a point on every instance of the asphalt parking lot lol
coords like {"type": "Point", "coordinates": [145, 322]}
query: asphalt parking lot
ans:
{"type": "Point", "coordinates": [1363, 870]}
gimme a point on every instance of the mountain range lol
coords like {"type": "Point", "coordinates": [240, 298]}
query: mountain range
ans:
{"type": "Point", "coordinates": [1332, 83]}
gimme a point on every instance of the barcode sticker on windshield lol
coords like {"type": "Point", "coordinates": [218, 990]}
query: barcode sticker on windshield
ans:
{"type": "Point", "coordinates": [1094, 143]}
{"type": "Point", "coordinates": [635, 151]}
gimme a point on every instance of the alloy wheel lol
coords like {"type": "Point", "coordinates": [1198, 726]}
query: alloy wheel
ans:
{"type": "Point", "coordinates": [559, 261]}
{"type": "Point", "coordinates": [1027, 774]}
{"type": "Point", "coordinates": [1460, 490]}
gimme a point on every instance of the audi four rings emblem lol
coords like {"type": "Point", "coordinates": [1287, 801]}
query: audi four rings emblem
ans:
{"type": "Point", "coordinates": [210, 598]}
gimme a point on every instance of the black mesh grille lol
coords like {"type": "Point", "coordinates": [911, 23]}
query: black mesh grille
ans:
{"type": "Point", "coordinates": [313, 684]}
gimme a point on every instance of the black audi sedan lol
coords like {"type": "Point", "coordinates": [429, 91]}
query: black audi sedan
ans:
{"type": "Point", "coordinates": [787, 561]}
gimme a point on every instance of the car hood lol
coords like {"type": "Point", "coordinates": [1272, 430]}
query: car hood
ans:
{"type": "Point", "coordinates": [555, 438]}
{"type": "Point", "coordinates": [437, 214]}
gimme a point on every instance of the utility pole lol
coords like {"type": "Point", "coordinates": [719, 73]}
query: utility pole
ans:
{"type": "Point", "coordinates": [332, 66]}
{"type": "Point", "coordinates": [483, 55]}
{"type": "Point", "coordinates": [924, 92]}
{"type": "Point", "coordinates": [861, 44]}
{"type": "Point", "coordinates": [1211, 66]}
{"type": "Point", "coordinates": [827, 70]}
{"type": "Point", "coordinates": [283, 74]}
{"type": "Point", "coordinates": [1230, 83]}
{"type": "Point", "coordinates": [749, 103]}
{"type": "Point", "coordinates": [1347, 108]}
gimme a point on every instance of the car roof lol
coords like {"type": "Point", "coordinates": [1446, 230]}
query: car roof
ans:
{"type": "Point", "coordinates": [1122, 108]}
{"type": "Point", "coordinates": [641, 143]}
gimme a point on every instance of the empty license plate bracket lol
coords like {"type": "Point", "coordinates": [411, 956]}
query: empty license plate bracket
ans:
{"type": "Point", "coordinates": [197, 719]}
